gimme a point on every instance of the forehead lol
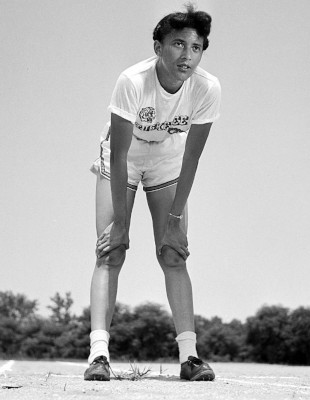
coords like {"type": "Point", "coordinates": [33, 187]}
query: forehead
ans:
{"type": "Point", "coordinates": [185, 34]}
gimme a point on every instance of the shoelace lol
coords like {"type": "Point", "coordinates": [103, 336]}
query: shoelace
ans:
{"type": "Point", "coordinates": [194, 361]}
{"type": "Point", "coordinates": [100, 360]}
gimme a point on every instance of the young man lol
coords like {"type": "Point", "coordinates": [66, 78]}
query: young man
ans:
{"type": "Point", "coordinates": [162, 110]}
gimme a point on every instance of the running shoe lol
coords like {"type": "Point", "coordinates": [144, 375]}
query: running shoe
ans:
{"type": "Point", "coordinates": [195, 369]}
{"type": "Point", "coordinates": [99, 370]}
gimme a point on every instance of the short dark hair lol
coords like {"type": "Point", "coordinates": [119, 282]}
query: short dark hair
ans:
{"type": "Point", "coordinates": [198, 20]}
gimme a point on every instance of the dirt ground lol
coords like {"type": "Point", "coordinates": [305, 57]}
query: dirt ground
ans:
{"type": "Point", "coordinates": [37, 380]}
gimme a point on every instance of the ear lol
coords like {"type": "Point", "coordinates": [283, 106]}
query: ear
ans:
{"type": "Point", "coordinates": [157, 48]}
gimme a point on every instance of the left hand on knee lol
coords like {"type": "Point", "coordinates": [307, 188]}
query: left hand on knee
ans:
{"type": "Point", "coordinates": [175, 238]}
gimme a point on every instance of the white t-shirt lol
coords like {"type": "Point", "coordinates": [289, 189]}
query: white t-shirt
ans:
{"type": "Point", "coordinates": [155, 113]}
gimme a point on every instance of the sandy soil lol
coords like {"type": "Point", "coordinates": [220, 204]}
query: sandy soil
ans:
{"type": "Point", "coordinates": [64, 380]}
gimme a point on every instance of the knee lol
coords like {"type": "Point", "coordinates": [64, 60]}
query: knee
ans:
{"type": "Point", "coordinates": [170, 258]}
{"type": "Point", "coordinates": [115, 257]}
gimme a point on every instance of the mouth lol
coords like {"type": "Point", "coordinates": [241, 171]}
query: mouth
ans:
{"type": "Point", "coordinates": [183, 67]}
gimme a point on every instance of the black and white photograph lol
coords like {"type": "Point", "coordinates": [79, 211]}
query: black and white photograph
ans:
{"type": "Point", "coordinates": [155, 192]}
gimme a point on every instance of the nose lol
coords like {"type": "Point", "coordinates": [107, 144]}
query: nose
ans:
{"type": "Point", "coordinates": [186, 55]}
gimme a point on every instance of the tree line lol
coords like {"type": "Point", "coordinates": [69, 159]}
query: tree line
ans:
{"type": "Point", "coordinates": [275, 334]}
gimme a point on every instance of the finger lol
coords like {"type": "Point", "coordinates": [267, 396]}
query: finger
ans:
{"type": "Point", "coordinates": [105, 233]}
{"type": "Point", "coordinates": [102, 253]}
{"type": "Point", "coordinates": [105, 249]}
{"type": "Point", "coordinates": [183, 255]}
{"type": "Point", "coordinates": [186, 251]}
{"type": "Point", "coordinates": [180, 250]}
{"type": "Point", "coordinates": [100, 237]}
{"type": "Point", "coordinates": [160, 248]}
{"type": "Point", "coordinates": [103, 239]}
{"type": "Point", "coordinates": [103, 245]}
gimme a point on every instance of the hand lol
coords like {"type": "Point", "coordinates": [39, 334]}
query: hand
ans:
{"type": "Point", "coordinates": [176, 238]}
{"type": "Point", "coordinates": [112, 237]}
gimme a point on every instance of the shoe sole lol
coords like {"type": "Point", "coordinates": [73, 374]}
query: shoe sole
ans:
{"type": "Point", "coordinates": [96, 378]}
{"type": "Point", "coordinates": [202, 377]}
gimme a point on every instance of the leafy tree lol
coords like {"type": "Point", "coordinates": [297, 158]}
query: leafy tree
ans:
{"type": "Point", "coordinates": [82, 332]}
{"type": "Point", "coordinates": [61, 308]}
{"type": "Point", "coordinates": [220, 341]}
{"type": "Point", "coordinates": [154, 333]}
{"type": "Point", "coordinates": [16, 306]}
{"type": "Point", "coordinates": [74, 341]}
{"type": "Point", "coordinates": [10, 336]}
{"type": "Point", "coordinates": [267, 334]}
{"type": "Point", "coordinates": [299, 336]}
{"type": "Point", "coordinates": [237, 333]}
{"type": "Point", "coordinates": [60, 331]}
{"type": "Point", "coordinates": [147, 333]}
{"type": "Point", "coordinates": [32, 344]}
{"type": "Point", "coordinates": [122, 335]}
{"type": "Point", "coordinates": [15, 312]}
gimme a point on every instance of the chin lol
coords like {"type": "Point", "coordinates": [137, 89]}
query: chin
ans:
{"type": "Point", "coordinates": [185, 75]}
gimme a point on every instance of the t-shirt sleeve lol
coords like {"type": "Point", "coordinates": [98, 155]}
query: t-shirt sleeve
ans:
{"type": "Point", "coordinates": [124, 99]}
{"type": "Point", "coordinates": [208, 107]}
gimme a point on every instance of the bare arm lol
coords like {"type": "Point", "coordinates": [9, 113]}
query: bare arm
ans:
{"type": "Point", "coordinates": [116, 234]}
{"type": "Point", "coordinates": [121, 135]}
{"type": "Point", "coordinates": [174, 236]}
{"type": "Point", "coordinates": [195, 143]}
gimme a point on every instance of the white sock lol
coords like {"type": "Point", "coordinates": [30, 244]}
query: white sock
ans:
{"type": "Point", "coordinates": [99, 342]}
{"type": "Point", "coordinates": [187, 345]}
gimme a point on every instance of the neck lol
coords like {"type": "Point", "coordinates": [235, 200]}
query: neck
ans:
{"type": "Point", "coordinates": [171, 86]}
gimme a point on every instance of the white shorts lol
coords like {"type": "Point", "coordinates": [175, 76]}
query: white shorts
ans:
{"type": "Point", "coordinates": [156, 165]}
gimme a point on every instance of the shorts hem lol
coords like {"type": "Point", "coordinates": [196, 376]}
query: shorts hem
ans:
{"type": "Point", "coordinates": [107, 176]}
{"type": "Point", "coordinates": [161, 186]}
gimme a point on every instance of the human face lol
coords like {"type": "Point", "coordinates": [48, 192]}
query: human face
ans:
{"type": "Point", "coordinates": [178, 56]}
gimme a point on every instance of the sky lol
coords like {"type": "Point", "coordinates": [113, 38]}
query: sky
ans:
{"type": "Point", "coordinates": [249, 227]}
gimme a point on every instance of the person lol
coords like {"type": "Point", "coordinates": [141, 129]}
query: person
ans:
{"type": "Point", "coordinates": [162, 110]}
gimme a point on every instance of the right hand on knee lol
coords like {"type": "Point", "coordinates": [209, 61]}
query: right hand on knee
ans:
{"type": "Point", "coordinates": [114, 258]}
{"type": "Point", "coordinates": [112, 237]}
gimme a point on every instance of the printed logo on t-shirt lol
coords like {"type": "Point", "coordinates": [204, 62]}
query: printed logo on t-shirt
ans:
{"type": "Point", "coordinates": [148, 114]}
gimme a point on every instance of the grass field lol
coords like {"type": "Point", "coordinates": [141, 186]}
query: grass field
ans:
{"type": "Point", "coordinates": [36, 380]}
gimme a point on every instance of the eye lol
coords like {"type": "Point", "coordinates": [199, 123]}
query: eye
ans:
{"type": "Point", "coordinates": [179, 44]}
{"type": "Point", "coordinates": [196, 49]}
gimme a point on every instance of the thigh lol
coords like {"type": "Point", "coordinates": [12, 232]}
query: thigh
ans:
{"type": "Point", "coordinates": [104, 205]}
{"type": "Point", "coordinates": [160, 203]}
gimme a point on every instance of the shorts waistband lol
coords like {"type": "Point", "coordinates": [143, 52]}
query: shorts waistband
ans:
{"type": "Point", "coordinates": [148, 141]}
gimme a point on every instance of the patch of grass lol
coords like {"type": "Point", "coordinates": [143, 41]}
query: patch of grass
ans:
{"type": "Point", "coordinates": [47, 375]}
{"type": "Point", "coordinates": [161, 370]}
{"type": "Point", "coordinates": [135, 374]}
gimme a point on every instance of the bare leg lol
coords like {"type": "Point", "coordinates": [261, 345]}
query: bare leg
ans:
{"type": "Point", "coordinates": [105, 277]}
{"type": "Point", "coordinates": [178, 284]}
